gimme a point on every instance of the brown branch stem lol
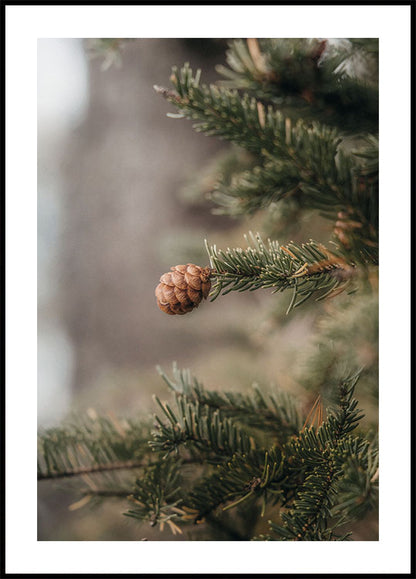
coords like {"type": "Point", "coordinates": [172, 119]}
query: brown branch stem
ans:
{"type": "Point", "coordinates": [77, 471]}
{"type": "Point", "coordinates": [92, 469]}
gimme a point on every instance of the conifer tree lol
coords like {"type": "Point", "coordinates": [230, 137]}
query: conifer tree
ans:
{"type": "Point", "coordinates": [302, 119]}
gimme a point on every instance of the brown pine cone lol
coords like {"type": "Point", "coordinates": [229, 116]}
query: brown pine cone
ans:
{"type": "Point", "coordinates": [182, 289]}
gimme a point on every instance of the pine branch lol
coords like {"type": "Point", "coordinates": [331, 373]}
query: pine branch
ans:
{"type": "Point", "coordinates": [307, 159]}
{"type": "Point", "coordinates": [275, 412]}
{"type": "Point", "coordinates": [308, 270]}
{"type": "Point", "coordinates": [357, 490]}
{"type": "Point", "coordinates": [257, 189]}
{"type": "Point", "coordinates": [319, 175]}
{"type": "Point", "coordinates": [93, 445]}
{"type": "Point", "coordinates": [157, 495]}
{"type": "Point", "coordinates": [305, 131]}
{"type": "Point", "coordinates": [198, 427]}
{"type": "Point", "coordinates": [243, 478]}
{"type": "Point", "coordinates": [241, 119]}
{"type": "Point", "coordinates": [313, 77]}
{"type": "Point", "coordinates": [223, 113]}
{"type": "Point", "coordinates": [307, 521]}
{"type": "Point", "coordinates": [235, 471]}
{"type": "Point", "coordinates": [202, 421]}
{"type": "Point", "coordinates": [323, 455]}
{"type": "Point", "coordinates": [82, 470]}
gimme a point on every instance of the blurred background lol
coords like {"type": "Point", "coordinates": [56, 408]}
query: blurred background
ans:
{"type": "Point", "coordinates": [116, 208]}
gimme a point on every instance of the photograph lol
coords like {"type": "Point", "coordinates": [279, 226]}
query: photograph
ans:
{"type": "Point", "coordinates": [208, 290]}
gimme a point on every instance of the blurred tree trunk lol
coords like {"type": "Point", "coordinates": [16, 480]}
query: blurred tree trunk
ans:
{"type": "Point", "coordinates": [124, 167]}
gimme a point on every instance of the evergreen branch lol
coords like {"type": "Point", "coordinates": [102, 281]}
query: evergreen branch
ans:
{"type": "Point", "coordinates": [357, 490]}
{"type": "Point", "coordinates": [319, 176]}
{"type": "Point", "coordinates": [309, 75]}
{"type": "Point", "coordinates": [317, 458]}
{"type": "Point", "coordinates": [249, 124]}
{"type": "Point", "coordinates": [306, 158]}
{"type": "Point", "coordinates": [276, 412]}
{"type": "Point", "coordinates": [93, 445]}
{"type": "Point", "coordinates": [305, 135]}
{"type": "Point", "coordinates": [309, 269]}
{"type": "Point", "coordinates": [82, 470]}
{"type": "Point", "coordinates": [340, 485]}
{"type": "Point", "coordinates": [199, 427]}
{"type": "Point", "coordinates": [345, 419]}
{"type": "Point", "coordinates": [258, 188]}
{"type": "Point", "coordinates": [323, 455]}
{"type": "Point", "coordinates": [257, 475]}
{"type": "Point", "coordinates": [157, 495]}
{"type": "Point", "coordinates": [223, 113]}
{"type": "Point", "coordinates": [307, 520]}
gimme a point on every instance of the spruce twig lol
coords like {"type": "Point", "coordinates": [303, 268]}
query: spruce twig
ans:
{"type": "Point", "coordinates": [308, 269]}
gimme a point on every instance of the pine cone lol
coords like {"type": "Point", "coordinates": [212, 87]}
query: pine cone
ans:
{"type": "Point", "coordinates": [182, 289]}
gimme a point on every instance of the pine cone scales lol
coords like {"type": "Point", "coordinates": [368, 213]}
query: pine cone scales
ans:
{"type": "Point", "coordinates": [183, 288]}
